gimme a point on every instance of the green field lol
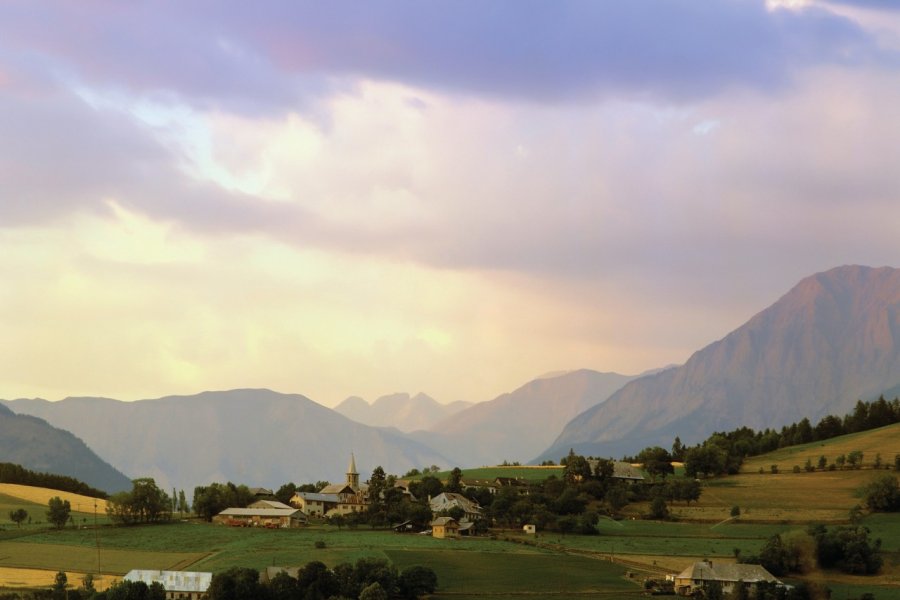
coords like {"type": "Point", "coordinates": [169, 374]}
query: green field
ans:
{"type": "Point", "coordinates": [545, 566]}
{"type": "Point", "coordinates": [532, 474]}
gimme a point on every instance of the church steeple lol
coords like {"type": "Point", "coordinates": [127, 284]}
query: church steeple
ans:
{"type": "Point", "coordinates": [352, 475]}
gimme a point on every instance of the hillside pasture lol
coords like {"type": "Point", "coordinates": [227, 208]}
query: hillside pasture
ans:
{"type": "Point", "coordinates": [884, 441]}
{"type": "Point", "coordinates": [820, 496]}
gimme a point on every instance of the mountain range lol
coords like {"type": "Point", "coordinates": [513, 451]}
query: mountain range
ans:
{"type": "Point", "coordinates": [829, 341]}
{"type": "Point", "coordinates": [518, 425]}
{"type": "Point", "coordinates": [36, 445]}
{"type": "Point", "coordinates": [256, 437]}
{"type": "Point", "coordinates": [400, 411]}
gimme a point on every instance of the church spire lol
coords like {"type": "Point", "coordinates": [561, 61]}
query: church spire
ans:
{"type": "Point", "coordinates": [352, 475]}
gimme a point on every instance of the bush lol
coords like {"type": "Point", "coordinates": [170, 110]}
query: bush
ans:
{"type": "Point", "coordinates": [882, 494]}
{"type": "Point", "coordinates": [320, 544]}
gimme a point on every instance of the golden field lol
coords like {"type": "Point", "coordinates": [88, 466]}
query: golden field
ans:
{"type": "Point", "coordinates": [37, 495]}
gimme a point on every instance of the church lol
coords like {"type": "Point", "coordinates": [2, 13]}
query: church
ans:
{"type": "Point", "coordinates": [335, 499]}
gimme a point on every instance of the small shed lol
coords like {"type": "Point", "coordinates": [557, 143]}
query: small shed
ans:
{"type": "Point", "coordinates": [529, 528]}
{"type": "Point", "coordinates": [445, 527]}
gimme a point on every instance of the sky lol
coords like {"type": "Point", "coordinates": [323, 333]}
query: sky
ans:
{"type": "Point", "coordinates": [450, 197]}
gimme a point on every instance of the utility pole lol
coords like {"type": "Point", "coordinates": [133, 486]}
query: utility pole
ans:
{"type": "Point", "coordinates": [97, 537]}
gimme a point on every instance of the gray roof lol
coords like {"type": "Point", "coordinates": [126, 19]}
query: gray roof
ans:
{"type": "Point", "coordinates": [444, 521]}
{"type": "Point", "coordinates": [708, 571]}
{"type": "Point", "coordinates": [270, 504]}
{"type": "Point", "coordinates": [317, 497]}
{"type": "Point", "coordinates": [263, 512]}
{"type": "Point", "coordinates": [173, 581]}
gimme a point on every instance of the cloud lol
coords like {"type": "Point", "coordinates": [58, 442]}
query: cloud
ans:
{"type": "Point", "coordinates": [253, 58]}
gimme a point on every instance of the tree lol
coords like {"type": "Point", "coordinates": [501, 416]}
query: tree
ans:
{"type": "Point", "coordinates": [285, 493]}
{"type": "Point", "coordinates": [658, 508]}
{"type": "Point", "coordinates": [882, 494]}
{"type": "Point", "coordinates": [657, 461]}
{"type": "Point", "coordinates": [58, 511]}
{"type": "Point", "coordinates": [704, 460]}
{"type": "Point", "coordinates": [713, 590]}
{"type": "Point", "coordinates": [855, 459]}
{"type": "Point", "coordinates": [60, 581]}
{"type": "Point", "coordinates": [236, 583]}
{"type": "Point", "coordinates": [315, 581]}
{"type": "Point", "coordinates": [18, 516]}
{"type": "Point", "coordinates": [87, 583]}
{"type": "Point", "coordinates": [284, 587]}
{"type": "Point", "coordinates": [373, 591]}
{"type": "Point", "coordinates": [136, 590]}
{"type": "Point", "coordinates": [454, 482]}
{"type": "Point", "coordinates": [183, 506]}
{"type": "Point", "coordinates": [822, 462]}
{"type": "Point", "coordinates": [377, 485]}
{"type": "Point", "coordinates": [848, 549]}
{"type": "Point", "coordinates": [145, 503]}
{"type": "Point", "coordinates": [678, 449]}
{"type": "Point", "coordinates": [577, 468]}
{"type": "Point", "coordinates": [427, 487]}
{"type": "Point", "coordinates": [417, 581]}
{"type": "Point", "coordinates": [617, 498]}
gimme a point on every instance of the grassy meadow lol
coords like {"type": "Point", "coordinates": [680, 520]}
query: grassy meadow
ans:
{"type": "Point", "coordinates": [884, 441]}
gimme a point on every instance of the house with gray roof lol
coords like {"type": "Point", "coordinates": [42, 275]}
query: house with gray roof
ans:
{"type": "Point", "coordinates": [729, 575]}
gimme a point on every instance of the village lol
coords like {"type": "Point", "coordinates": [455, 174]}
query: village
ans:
{"type": "Point", "coordinates": [453, 515]}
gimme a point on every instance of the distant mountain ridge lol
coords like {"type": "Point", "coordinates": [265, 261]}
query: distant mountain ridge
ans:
{"type": "Point", "coordinates": [519, 424]}
{"type": "Point", "coordinates": [400, 411]}
{"type": "Point", "coordinates": [36, 445]}
{"type": "Point", "coordinates": [831, 340]}
{"type": "Point", "coordinates": [257, 437]}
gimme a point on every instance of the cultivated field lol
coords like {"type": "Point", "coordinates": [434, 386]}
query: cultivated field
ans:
{"type": "Point", "coordinates": [41, 496]}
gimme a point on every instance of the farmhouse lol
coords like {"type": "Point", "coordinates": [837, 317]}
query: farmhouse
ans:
{"type": "Point", "coordinates": [273, 518]}
{"type": "Point", "coordinates": [700, 574]}
{"type": "Point", "coordinates": [444, 501]}
{"type": "Point", "coordinates": [445, 527]}
{"type": "Point", "coordinates": [179, 585]}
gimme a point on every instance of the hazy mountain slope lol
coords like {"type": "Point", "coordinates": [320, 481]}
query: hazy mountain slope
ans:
{"type": "Point", "coordinates": [38, 446]}
{"type": "Point", "coordinates": [401, 411]}
{"type": "Point", "coordinates": [829, 341]}
{"type": "Point", "coordinates": [257, 437]}
{"type": "Point", "coordinates": [519, 424]}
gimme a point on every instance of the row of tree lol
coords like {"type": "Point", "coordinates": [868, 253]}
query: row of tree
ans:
{"type": "Point", "coordinates": [724, 452]}
{"type": "Point", "coordinates": [367, 579]}
{"type": "Point", "coordinates": [145, 503]}
{"type": "Point", "coordinates": [59, 512]}
{"type": "Point", "coordinates": [845, 548]}
{"type": "Point", "coordinates": [13, 473]}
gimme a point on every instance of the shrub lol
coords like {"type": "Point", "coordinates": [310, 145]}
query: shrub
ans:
{"type": "Point", "coordinates": [320, 544]}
